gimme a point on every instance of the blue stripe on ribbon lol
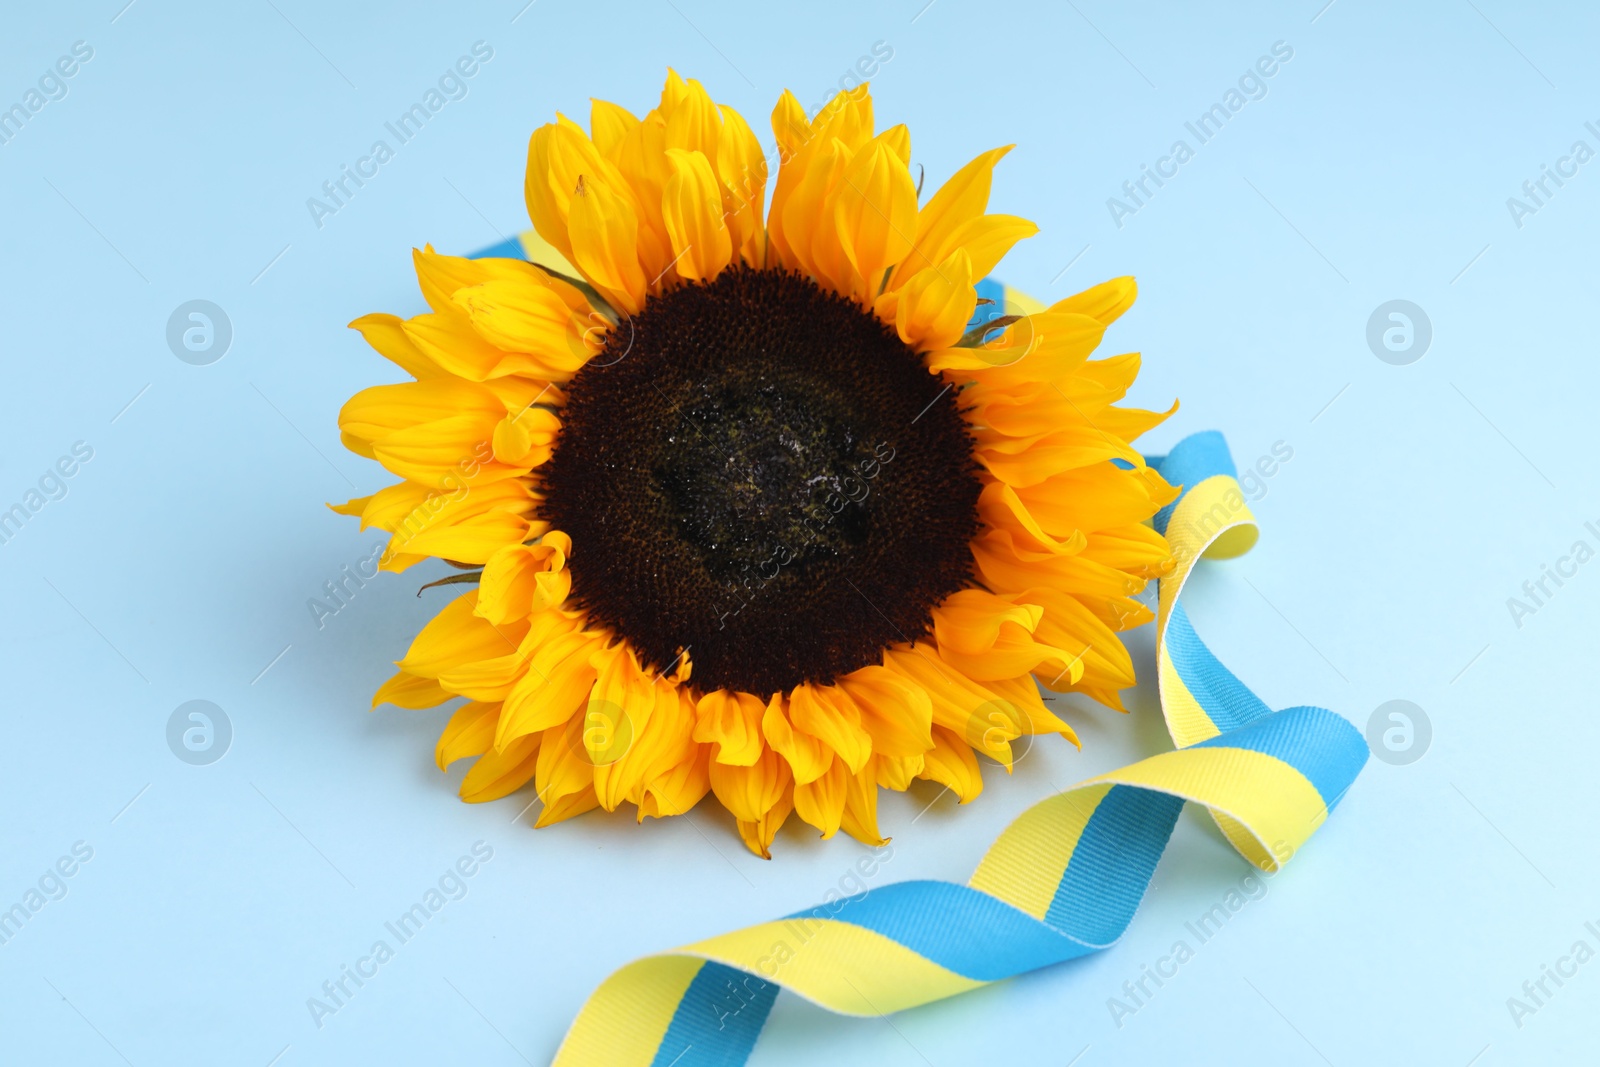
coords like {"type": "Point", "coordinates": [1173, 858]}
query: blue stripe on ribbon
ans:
{"type": "Point", "coordinates": [962, 929]}
{"type": "Point", "coordinates": [1110, 868]}
{"type": "Point", "coordinates": [983, 938]}
{"type": "Point", "coordinates": [1226, 700]}
{"type": "Point", "coordinates": [717, 1022]}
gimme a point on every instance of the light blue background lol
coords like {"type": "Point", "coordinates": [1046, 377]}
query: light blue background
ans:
{"type": "Point", "coordinates": [1418, 499]}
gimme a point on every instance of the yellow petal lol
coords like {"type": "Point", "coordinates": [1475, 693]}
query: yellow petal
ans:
{"type": "Point", "coordinates": [988, 238]}
{"type": "Point", "coordinates": [750, 792]}
{"type": "Point", "coordinates": [1076, 502]}
{"type": "Point", "coordinates": [1084, 396]}
{"type": "Point", "coordinates": [694, 123]}
{"type": "Point", "coordinates": [827, 713]}
{"type": "Point", "coordinates": [520, 580]}
{"type": "Point", "coordinates": [1046, 347]}
{"type": "Point", "coordinates": [469, 732]}
{"type": "Point", "coordinates": [674, 90]}
{"type": "Point", "coordinates": [571, 154]}
{"type": "Point", "coordinates": [991, 731]}
{"type": "Point", "coordinates": [410, 691]}
{"type": "Point", "coordinates": [679, 789]}
{"type": "Point", "coordinates": [790, 127]}
{"type": "Point", "coordinates": [608, 125]}
{"type": "Point", "coordinates": [356, 505]}
{"type": "Point", "coordinates": [452, 344]}
{"type": "Point", "coordinates": [1105, 302]}
{"type": "Point", "coordinates": [758, 834]}
{"type": "Point", "coordinates": [561, 772]}
{"type": "Point", "coordinates": [498, 774]}
{"type": "Point", "coordinates": [792, 133]}
{"type": "Point", "coordinates": [876, 214]}
{"type": "Point", "coordinates": [547, 209]}
{"type": "Point", "coordinates": [1131, 423]}
{"type": "Point", "coordinates": [847, 117]}
{"type": "Point", "coordinates": [808, 757]}
{"type": "Point", "coordinates": [1134, 548]}
{"type": "Point", "coordinates": [375, 413]}
{"type": "Point", "coordinates": [898, 140]}
{"type": "Point", "coordinates": [860, 816]}
{"type": "Point", "coordinates": [1022, 462]}
{"type": "Point", "coordinates": [961, 704]}
{"type": "Point", "coordinates": [518, 316]}
{"type": "Point", "coordinates": [387, 336]}
{"type": "Point", "coordinates": [895, 712]}
{"type": "Point", "coordinates": [1093, 650]}
{"type": "Point", "coordinates": [660, 750]}
{"type": "Point", "coordinates": [559, 809]}
{"type": "Point", "coordinates": [813, 237]}
{"type": "Point", "coordinates": [605, 236]}
{"type": "Point", "coordinates": [988, 637]}
{"type": "Point", "coordinates": [742, 170]}
{"type": "Point", "coordinates": [971, 620]}
{"type": "Point", "coordinates": [456, 637]}
{"type": "Point", "coordinates": [424, 518]}
{"type": "Point", "coordinates": [557, 684]}
{"type": "Point", "coordinates": [964, 196]}
{"type": "Point", "coordinates": [732, 721]}
{"type": "Point", "coordinates": [525, 440]}
{"type": "Point", "coordinates": [1022, 695]}
{"type": "Point", "coordinates": [441, 277]}
{"type": "Point", "coordinates": [896, 773]}
{"type": "Point", "coordinates": [559, 153]}
{"type": "Point", "coordinates": [1006, 568]}
{"type": "Point", "coordinates": [933, 309]}
{"type": "Point", "coordinates": [433, 453]}
{"type": "Point", "coordinates": [999, 506]}
{"type": "Point", "coordinates": [487, 679]}
{"type": "Point", "coordinates": [841, 127]}
{"type": "Point", "coordinates": [471, 539]}
{"type": "Point", "coordinates": [951, 763]}
{"type": "Point", "coordinates": [642, 159]}
{"type": "Point", "coordinates": [691, 207]}
{"type": "Point", "coordinates": [820, 802]}
{"type": "Point", "coordinates": [620, 707]}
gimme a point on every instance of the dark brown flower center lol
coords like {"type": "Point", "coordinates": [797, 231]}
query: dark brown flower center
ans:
{"type": "Point", "coordinates": [762, 473]}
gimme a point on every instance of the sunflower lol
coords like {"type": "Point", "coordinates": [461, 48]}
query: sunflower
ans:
{"type": "Point", "coordinates": [754, 499]}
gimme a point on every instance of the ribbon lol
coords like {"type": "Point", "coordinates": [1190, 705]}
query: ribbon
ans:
{"type": "Point", "coordinates": [1062, 881]}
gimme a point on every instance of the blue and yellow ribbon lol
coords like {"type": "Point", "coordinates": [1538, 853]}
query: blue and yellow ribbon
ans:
{"type": "Point", "coordinates": [1065, 877]}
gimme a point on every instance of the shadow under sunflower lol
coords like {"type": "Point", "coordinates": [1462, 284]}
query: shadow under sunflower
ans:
{"type": "Point", "coordinates": [746, 505]}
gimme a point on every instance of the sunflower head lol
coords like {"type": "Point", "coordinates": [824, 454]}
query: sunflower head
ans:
{"type": "Point", "coordinates": [754, 499]}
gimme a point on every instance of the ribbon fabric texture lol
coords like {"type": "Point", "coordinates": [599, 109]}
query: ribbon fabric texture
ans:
{"type": "Point", "coordinates": [1062, 881]}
